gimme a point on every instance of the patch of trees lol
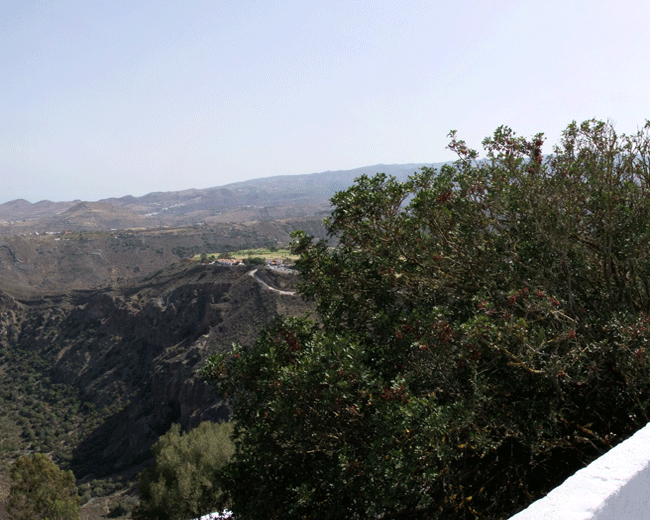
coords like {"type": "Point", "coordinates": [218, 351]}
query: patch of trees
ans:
{"type": "Point", "coordinates": [482, 333]}
{"type": "Point", "coordinates": [184, 481]}
{"type": "Point", "coordinates": [254, 260]}
{"type": "Point", "coordinates": [185, 251]}
{"type": "Point", "coordinates": [41, 491]}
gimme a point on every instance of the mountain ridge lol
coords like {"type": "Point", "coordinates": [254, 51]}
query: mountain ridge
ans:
{"type": "Point", "coordinates": [262, 199]}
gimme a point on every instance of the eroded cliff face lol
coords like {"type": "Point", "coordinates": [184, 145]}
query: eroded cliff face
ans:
{"type": "Point", "coordinates": [130, 355]}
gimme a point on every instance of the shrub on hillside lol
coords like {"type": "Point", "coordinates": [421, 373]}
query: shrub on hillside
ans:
{"type": "Point", "coordinates": [183, 482]}
{"type": "Point", "coordinates": [41, 491]}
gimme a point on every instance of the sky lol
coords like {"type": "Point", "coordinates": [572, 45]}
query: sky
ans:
{"type": "Point", "coordinates": [106, 98]}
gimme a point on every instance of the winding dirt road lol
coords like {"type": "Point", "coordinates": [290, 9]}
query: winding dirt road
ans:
{"type": "Point", "coordinates": [253, 273]}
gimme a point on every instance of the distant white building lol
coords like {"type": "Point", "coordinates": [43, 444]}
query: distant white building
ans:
{"type": "Point", "coordinates": [229, 261]}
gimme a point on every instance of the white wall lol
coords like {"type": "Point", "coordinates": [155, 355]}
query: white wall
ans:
{"type": "Point", "coordinates": [615, 486]}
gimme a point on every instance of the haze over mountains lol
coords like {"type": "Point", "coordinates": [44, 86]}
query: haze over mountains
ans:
{"type": "Point", "coordinates": [264, 199]}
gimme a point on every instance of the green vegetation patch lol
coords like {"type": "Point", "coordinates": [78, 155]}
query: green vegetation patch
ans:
{"type": "Point", "coordinates": [482, 333]}
{"type": "Point", "coordinates": [40, 490]}
{"type": "Point", "coordinates": [183, 482]}
{"type": "Point", "coordinates": [265, 253]}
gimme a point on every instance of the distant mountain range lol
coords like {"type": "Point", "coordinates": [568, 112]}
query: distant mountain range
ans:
{"type": "Point", "coordinates": [265, 199]}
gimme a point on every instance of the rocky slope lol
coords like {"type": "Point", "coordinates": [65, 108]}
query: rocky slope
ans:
{"type": "Point", "coordinates": [104, 318]}
{"type": "Point", "coordinates": [95, 376]}
{"type": "Point", "coordinates": [64, 261]}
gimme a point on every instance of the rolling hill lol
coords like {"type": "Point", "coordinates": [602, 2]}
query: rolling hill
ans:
{"type": "Point", "coordinates": [265, 199]}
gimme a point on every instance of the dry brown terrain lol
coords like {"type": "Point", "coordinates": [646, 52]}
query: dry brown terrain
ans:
{"type": "Point", "coordinates": [90, 259]}
{"type": "Point", "coordinates": [258, 200]}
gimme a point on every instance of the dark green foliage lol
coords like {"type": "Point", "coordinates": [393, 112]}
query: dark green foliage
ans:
{"type": "Point", "coordinates": [183, 483]}
{"type": "Point", "coordinates": [40, 490]}
{"type": "Point", "coordinates": [482, 333]}
{"type": "Point", "coordinates": [254, 260]}
{"type": "Point", "coordinates": [123, 507]}
{"type": "Point", "coordinates": [185, 251]}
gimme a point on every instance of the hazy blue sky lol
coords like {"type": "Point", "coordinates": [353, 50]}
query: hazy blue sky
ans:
{"type": "Point", "coordinates": [102, 98]}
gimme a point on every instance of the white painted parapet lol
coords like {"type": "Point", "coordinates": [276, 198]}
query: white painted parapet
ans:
{"type": "Point", "coordinates": [615, 486]}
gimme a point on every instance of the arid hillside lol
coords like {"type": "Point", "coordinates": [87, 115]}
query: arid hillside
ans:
{"type": "Point", "coordinates": [65, 261]}
{"type": "Point", "coordinates": [105, 317]}
{"type": "Point", "coordinates": [258, 200]}
{"type": "Point", "coordinates": [94, 376]}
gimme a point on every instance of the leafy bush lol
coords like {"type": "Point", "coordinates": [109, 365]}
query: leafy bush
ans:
{"type": "Point", "coordinates": [123, 507]}
{"type": "Point", "coordinates": [482, 333]}
{"type": "Point", "coordinates": [40, 490]}
{"type": "Point", "coordinates": [85, 497]}
{"type": "Point", "coordinates": [184, 483]}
